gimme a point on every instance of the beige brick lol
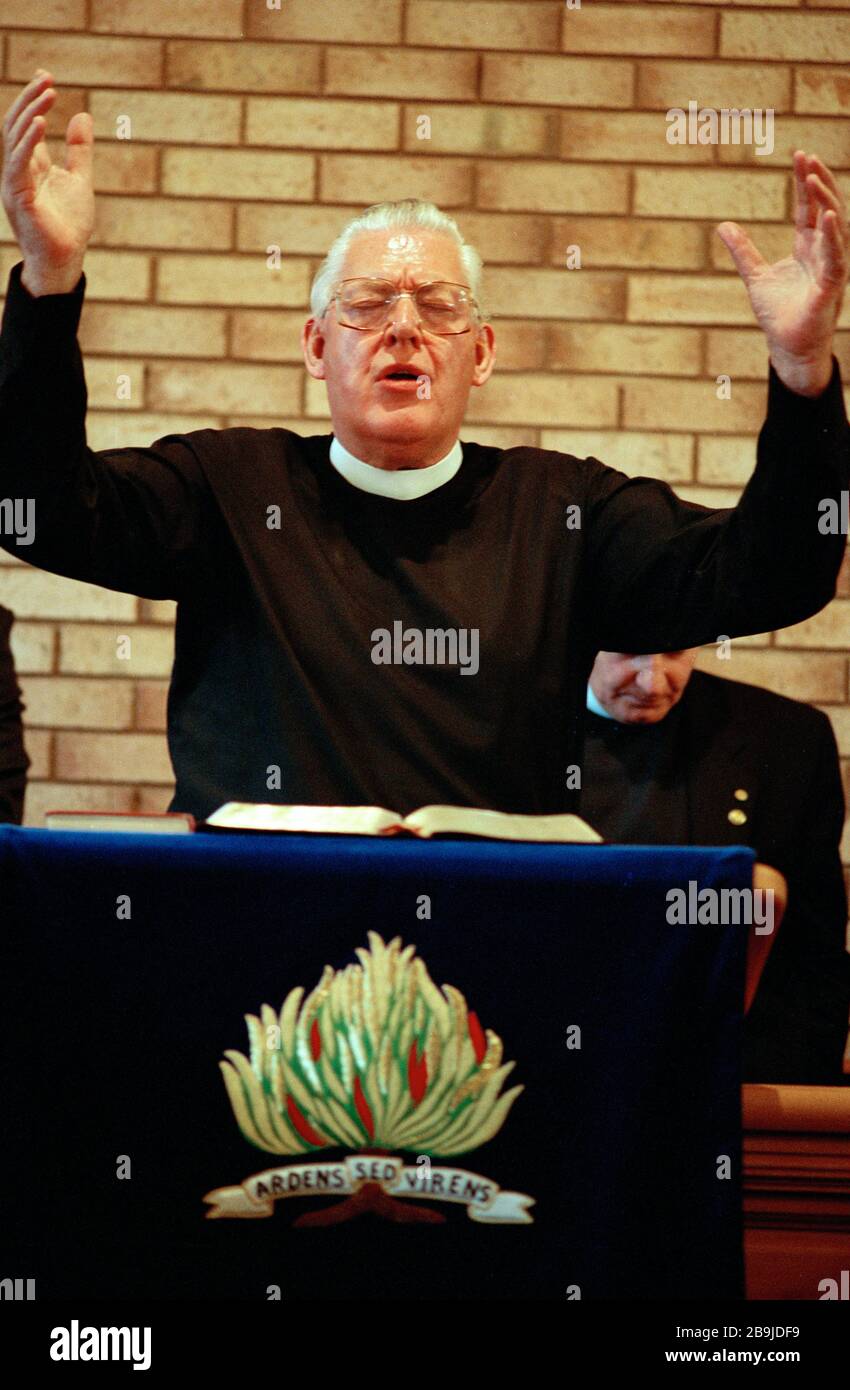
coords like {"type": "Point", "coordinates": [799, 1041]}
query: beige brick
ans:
{"type": "Point", "coordinates": [687, 299]}
{"type": "Point", "coordinates": [750, 4]}
{"type": "Point", "coordinates": [243, 66]}
{"type": "Point", "coordinates": [171, 223]}
{"type": "Point", "coordinates": [839, 717]}
{"type": "Point", "coordinates": [67, 102]}
{"type": "Point", "coordinates": [86, 59]}
{"type": "Point", "coordinates": [743, 352]}
{"type": "Point", "coordinates": [174, 117]}
{"type": "Point", "coordinates": [196, 17]}
{"type": "Point", "coordinates": [715, 497]}
{"type": "Point", "coordinates": [508, 236]}
{"type": "Point", "coordinates": [829, 628]}
{"type": "Point", "coordinates": [161, 332]}
{"type": "Point", "coordinates": [138, 429]}
{"type": "Point", "coordinates": [92, 649]}
{"type": "Point", "coordinates": [537, 185]}
{"type": "Point", "coordinates": [521, 346]}
{"type": "Point", "coordinates": [801, 38]}
{"type": "Point", "coordinates": [363, 178]}
{"type": "Point", "coordinates": [639, 136]}
{"type": "Point", "coordinates": [741, 85]}
{"type": "Point", "coordinates": [822, 91]}
{"type": "Point", "coordinates": [576, 294]}
{"type": "Point", "coordinates": [242, 173]}
{"type": "Point", "coordinates": [103, 385]}
{"type": "Point", "coordinates": [267, 335]}
{"type": "Point", "coordinates": [231, 280]}
{"type": "Point", "coordinates": [529, 79]}
{"type": "Point", "coordinates": [692, 405]}
{"type": "Point", "coordinates": [120, 167]}
{"type": "Point", "coordinates": [500, 437]}
{"type": "Point", "coordinates": [799, 675]}
{"type": "Point", "coordinates": [42, 797]}
{"type": "Point", "coordinates": [408, 73]}
{"type": "Point", "coordinates": [39, 746]}
{"type": "Point", "coordinates": [773, 239]}
{"type": "Point", "coordinates": [221, 388]}
{"type": "Point", "coordinates": [157, 610]}
{"type": "Point", "coordinates": [618, 29]}
{"type": "Point", "coordinates": [498, 23]}
{"type": "Point", "coordinates": [32, 646]}
{"type": "Point", "coordinates": [316, 407]}
{"type": "Point", "coordinates": [842, 587]}
{"type": "Point", "coordinates": [71, 703]}
{"type": "Point", "coordinates": [151, 701]}
{"type": "Point", "coordinates": [303, 427]}
{"type": "Point", "coordinates": [109, 274]}
{"type": "Point", "coordinates": [665, 456]}
{"type": "Point", "coordinates": [323, 124]}
{"type": "Point", "coordinates": [50, 14]}
{"type": "Point", "coordinates": [726, 460]}
{"type": "Point", "coordinates": [620, 348]}
{"type": "Point", "coordinates": [830, 138]}
{"type": "Point", "coordinates": [520, 398]}
{"type": "Point", "coordinates": [310, 230]}
{"type": "Point", "coordinates": [635, 241]}
{"type": "Point", "coordinates": [719, 194]}
{"type": "Point", "coordinates": [32, 593]}
{"type": "Point", "coordinates": [112, 757]}
{"type": "Point", "coordinates": [357, 21]}
{"type": "Point", "coordinates": [299, 230]}
{"type": "Point", "coordinates": [753, 639]}
{"type": "Point", "coordinates": [117, 275]}
{"type": "Point", "coordinates": [154, 801]}
{"type": "Point", "coordinates": [480, 130]}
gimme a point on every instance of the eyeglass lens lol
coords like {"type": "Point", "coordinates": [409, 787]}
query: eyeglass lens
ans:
{"type": "Point", "coordinates": [442, 307]}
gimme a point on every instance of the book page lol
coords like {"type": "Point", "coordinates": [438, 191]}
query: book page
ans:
{"type": "Point", "coordinates": [310, 820]}
{"type": "Point", "coordinates": [499, 825]}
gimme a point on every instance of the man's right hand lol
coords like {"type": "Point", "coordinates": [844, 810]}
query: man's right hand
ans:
{"type": "Point", "coordinates": [51, 209]}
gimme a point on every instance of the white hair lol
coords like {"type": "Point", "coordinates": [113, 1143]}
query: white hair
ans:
{"type": "Point", "coordinates": [407, 212]}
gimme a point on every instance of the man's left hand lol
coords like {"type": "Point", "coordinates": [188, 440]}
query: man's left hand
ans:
{"type": "Point", "coordinates": [798, 299]}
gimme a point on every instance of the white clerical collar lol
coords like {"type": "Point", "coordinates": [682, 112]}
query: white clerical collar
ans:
{"type": "Point", "coordinates": [594, 706]}
{"type": "Point", "coordinates": [404, 484]}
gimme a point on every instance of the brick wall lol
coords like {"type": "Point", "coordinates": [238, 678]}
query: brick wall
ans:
{"type": "Point", "coordinates": [253, 126]}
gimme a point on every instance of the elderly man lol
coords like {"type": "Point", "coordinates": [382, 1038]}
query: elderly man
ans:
{"type": "Point", "coordinates": [385, 615]}
{"type": "Point", "coordinates": [675, 756]}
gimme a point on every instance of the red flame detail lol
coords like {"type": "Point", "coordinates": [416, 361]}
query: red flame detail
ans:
{"type": "Point", "coordinates": [362, 1107]}
{"type": "Point", "coordinates": [315, 1040]}
{"type": "Point", "coordinates": [302, 1126]}
{"type": "Point", "coordinates": [476, 1037]}
{"type": "Point", "coordinates": [417, 1074]}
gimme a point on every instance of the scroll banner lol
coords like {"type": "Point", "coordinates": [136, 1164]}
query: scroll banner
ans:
{"type": "Point", "coordinates": [484, 1200]}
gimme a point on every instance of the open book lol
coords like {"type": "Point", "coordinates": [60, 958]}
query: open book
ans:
{"type": "Point", "coordinates": [427, 821]}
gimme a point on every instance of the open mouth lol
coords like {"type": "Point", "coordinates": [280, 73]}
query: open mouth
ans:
{"type": "Point", "coordinates": [400, 376]}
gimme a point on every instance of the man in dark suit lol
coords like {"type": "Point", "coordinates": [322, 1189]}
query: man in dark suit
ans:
{"type": "Point", "coordinates": [13, 758]}
{"type": "Point", "coordinates": [679, 757]}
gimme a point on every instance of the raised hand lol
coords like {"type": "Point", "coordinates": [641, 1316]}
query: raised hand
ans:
{"type": "Point", "coordinates": [797, 301]}
{"type": "Point", "coordinates": [51, 209]}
